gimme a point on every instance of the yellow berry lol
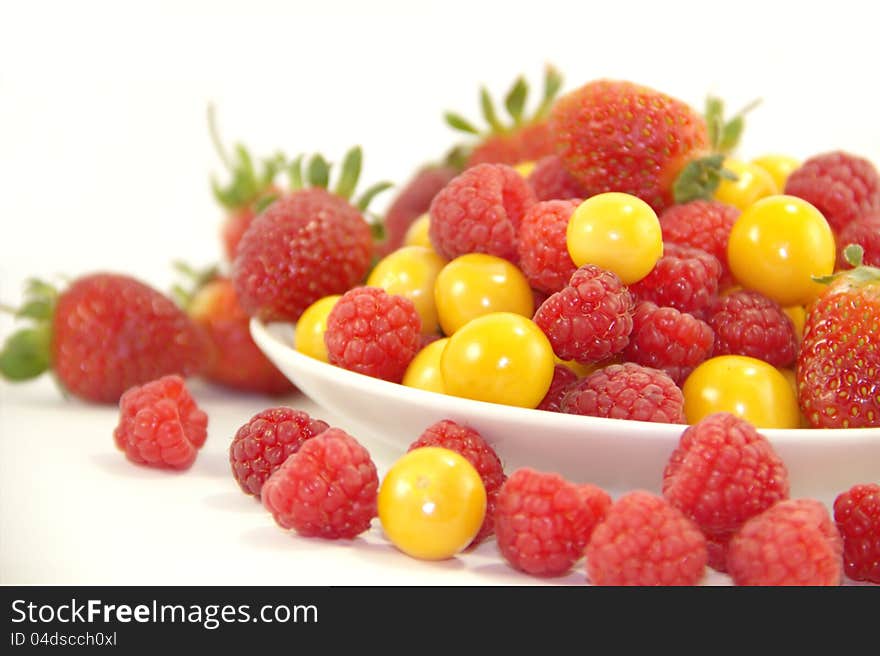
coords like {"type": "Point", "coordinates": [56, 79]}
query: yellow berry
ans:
{"type": "Point", "coordinates": [310, 328]}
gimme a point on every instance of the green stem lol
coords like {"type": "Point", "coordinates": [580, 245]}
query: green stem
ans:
{"type": "Point", "coordinates": [215, 138]}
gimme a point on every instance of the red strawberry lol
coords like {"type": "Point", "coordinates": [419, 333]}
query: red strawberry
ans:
{"type": "Point", "coordinates": [247, 193]}
{"type": "Point", "coordinates": [839, 357]}
{"type": "Point", "coordinates": [102, 335]}
{"type": "Point", "coordinates": [308, 244]}
{"type": "Point", "coordinates": [236, 361]}
{"type": "Point", "coordinates": [413, 200]}
{"type": "Point", "coordinates": [526, 139]}
{"type": "Point", "coordinates": [620, 136]}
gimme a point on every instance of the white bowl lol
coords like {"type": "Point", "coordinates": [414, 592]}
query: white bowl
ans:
{"type": "Point", "coordinates": [616, 454]}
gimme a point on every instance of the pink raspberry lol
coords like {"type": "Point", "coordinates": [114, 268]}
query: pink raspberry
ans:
{"type": "Point", "coordinates": [685, 278]}
{"type": "Point", "coordinates": [542, 247]}
{"type": "Point", "coordinates": [857, 516]}
{"type": "Point", "coordinates": [840, 185]}
{"type": "Point", "coordinates": [627, 391]}
{"type": "Point", "coordinates": [263, 444]}
{"type": "Point", "coordinates": [160, 424]}
{"type": "Point", "coordinates": [723, 473]}
{"type": "Point", "coordinates": [479, 211]}
{"type": "Point", "coordinates": [794, 542]}
{"type": "Point", "coordinates": [864, 231]}
{"type": "Point", "coordinates": [373, 333]}
{"type": "Point", "coordinates": [669, 340]}
{"type": "Point", "coordinates": [748, 323]}
{"type": "Point", "coordinates": [468, 443]}
{"type": "Point", "coordinates": [563, 379]}
{"type": "Point", "coordinates": [552, 181]}
{"type": "Point", "coordinates": [704, 224]}
{"type": "Point", "coordinates": [326, 489]}
{"type": "Point", "coordinates": [543, 522]}
{"type": "Point", "coordinates": [645, 541]}
{"type": "Point", "coordinates": [590, 319]}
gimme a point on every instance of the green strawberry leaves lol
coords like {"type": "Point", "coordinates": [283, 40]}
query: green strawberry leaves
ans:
{"type": "Point", "coordinates": [515, 101]}
{"type": "Point", "coordinates": [860, 273]}
{"type": "Point", "coordinates": [27, 353]}
{"type": "Point", "coordinates": [724, 135]}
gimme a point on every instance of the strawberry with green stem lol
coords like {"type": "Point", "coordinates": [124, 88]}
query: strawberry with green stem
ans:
{"type": "Point", "coordinates": [101, 335]}
{"type": "Point", "coordinates": [236, 362]}
{"type": "Point", "coordinates": [838, 367]}
{"type": "Point", "coordinates": [250, 189]}
{"type": "Point", "coordinates": [309, 243]}
{"type": "Point", "coordinates": [525, 138]}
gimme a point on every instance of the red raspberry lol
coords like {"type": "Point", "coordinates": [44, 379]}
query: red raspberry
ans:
{"type": "Point", "coordinates": [627, 391]}
{"type": "Point", "coordinates": [645, 541]}
{"type": "Point", "coordinates": [857, 515]}
{"type": "Point", "coordinates": [685, 278]}
{"type": "Point", "coordinates": [749, 323]}
{"type": "Point", "coordinates": [552, 181]}
{"type": "Point", "coordinates": [373, 333]}
{"type": "Point", "coordinates": [590, 319]}
{"type": "Point", "coordinates": [480, 211]}
{"type": "Point", "coordinates": [469, 443]}
{"type": "Point", "coordinates": [722, 473]}
{"type": "Point", "coordinates": [263, 444]}
{"type": "Point", "coordinates": [160, 424]}
{"type": "Point", "coordinates": [864, 231]}
{"type": "Point", "coordinates": [794, 542]}
{"type": "Point", "coordinates": [543, 522]}
{"type": "Point", "coordinates": [840, 185]}
{"type": "Point", "coordinates": [704, 224]}
{"type": "Point", "coordinates": [542, 249]}
{"type": "Point", "coordinates": [563, 379]}
{"type": "Point", "coordinates": [304, 246]}
{"type": "Point", "coordinates": [669, 340]}
{"type": "Point", "coordinates": [326, 489]}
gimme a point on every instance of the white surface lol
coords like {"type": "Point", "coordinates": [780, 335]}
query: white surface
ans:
{"type": "Point", "coordinates": [104, 161]}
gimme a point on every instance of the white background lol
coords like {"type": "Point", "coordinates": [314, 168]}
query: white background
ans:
{"type": "Point", "coordinates": [104, 164]}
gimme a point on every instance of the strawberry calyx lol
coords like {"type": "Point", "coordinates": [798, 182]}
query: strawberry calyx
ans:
{"type": "Point", "coordinates": [700, 178]}
{"type": "Point", "coordinates": [859, 274]}
{"type": "Point", "coordinates": [26, 353]}
{"type": "Point", "coordinates": [193, 281]}
{"type": "Point", "coordinates": [514, 102]}
{"type": "Point", "coordinates": [250, 184]}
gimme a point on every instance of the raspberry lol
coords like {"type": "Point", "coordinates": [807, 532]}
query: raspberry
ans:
{"type": "Point", "coordinates": [685, 278]}
{"type": "Point", "coordinates": [645, 541]}
{"type": "Point", "coordinates": [749, 323]}
{"type": "Point", "coordinates": [563, 379]}
{"type": "Point", "coordinates": [552, 181]}
{"type": "Point", "coordinates": [669, 340]}
{"type": "Point", "coordinates": [263, 444]}
{"type": "Point", "coordinates": [543, 522]}
{"type": "Point", "coordinates": [412, 201]}
{"type": "Point", "coordinates": [304, 246]}
{"type": "Point", "coordinates": [794, 542]}
{"type": "Point", "coordinates": [840, 185]}
{"type": "Point", "coordinates": [627, 391]}
{"type": "Point", "coordinates": [590, 319]}
{"type": "Point", "coordinates": [373, 333]}
{"type": "Point", "coordinates": [542, 248]}
{"type": "Point", "coordinates": [864, 231]}
{"type": "Point", "coordinates": [160, 424]}
{"type": "Point", "coordinates": [857, 515]}
{"type": "Point", "coordinates": [704, 224]}
{"type": "Point", "coordinates": [479, 211]}
{"type": "Point", "coordinates": [326, 489]}
{"type": "Point", "coordinates": [722, 473]}
{"type": "Point", "coordinates": [469, 443]}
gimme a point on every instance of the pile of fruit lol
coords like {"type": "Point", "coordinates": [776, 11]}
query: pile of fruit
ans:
{"type": "Point", "coordinates": [606, 255]}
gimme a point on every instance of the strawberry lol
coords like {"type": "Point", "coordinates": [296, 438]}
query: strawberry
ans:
{"type": "Point", "coordinates": [838, 367]}
{"type": "Point", "coordinates": [526, 139]}
{"type": "Point", "coordinates": [249, 191]}
{"type": "Point", "coordinates": [620, 136]}
{"type": "Point", "coordinates": [102, 335]}
{"type": "Point", "coordinates": [309, 243]}
{"type": "Point", "coordinates": [236, 361]}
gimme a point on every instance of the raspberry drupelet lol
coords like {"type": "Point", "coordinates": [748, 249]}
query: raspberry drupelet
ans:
{"type": "Point", "coordinates": [685, 278]}
{"type": "Point", "coordinates": [857, 516]}
{"type": "Point", "coordinates": [542, 248]}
